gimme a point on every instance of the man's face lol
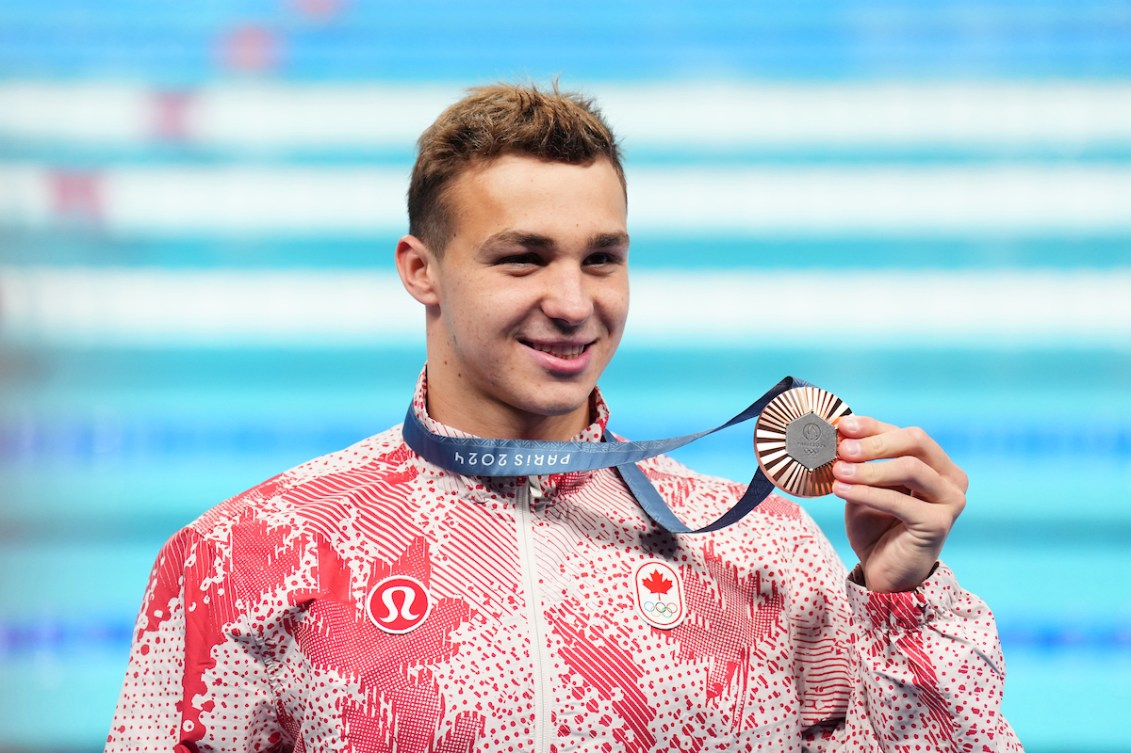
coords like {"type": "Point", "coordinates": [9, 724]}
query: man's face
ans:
{"type": "Point", "coordinates": [532, 296]}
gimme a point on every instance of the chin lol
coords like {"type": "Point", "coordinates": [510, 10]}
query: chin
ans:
{"type": "Point", "coordinates": [553, 410]}
{"type": "Point", "coordinates": [562, 406]}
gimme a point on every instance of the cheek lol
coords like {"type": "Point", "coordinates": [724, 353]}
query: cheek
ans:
{"type": "Point", "coordinates": [614, 309]}
{"type": "Point", "coordinates": [464, 306]}
{"type": "Point", "coordinates": [475, 316]}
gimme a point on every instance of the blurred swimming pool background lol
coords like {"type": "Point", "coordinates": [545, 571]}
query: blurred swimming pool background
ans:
{"type": "Point", "coordinates": [925, 209]}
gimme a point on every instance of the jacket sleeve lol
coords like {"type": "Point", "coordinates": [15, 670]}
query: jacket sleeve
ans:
{"type": "Point", "coordinates": [195, 680]}
{"type": "Point", "coordinates": [919, 670]}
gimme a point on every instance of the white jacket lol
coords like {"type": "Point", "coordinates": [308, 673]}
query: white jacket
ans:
{"type": "Point", "coordinates": [370, 601]}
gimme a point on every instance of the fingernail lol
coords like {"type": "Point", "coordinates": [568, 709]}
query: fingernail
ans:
{"type": "Point", "coordinates": [846, 470]}
{"type": "Point", "coordinates": [850, 447]}
{"type": "Point", "coordinates": [849, 423]}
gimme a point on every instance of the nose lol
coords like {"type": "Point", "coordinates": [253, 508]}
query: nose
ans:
{"type": "Point", "coordinates": [566, 298]}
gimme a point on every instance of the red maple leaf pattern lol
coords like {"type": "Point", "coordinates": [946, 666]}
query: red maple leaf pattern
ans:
{"type": "Point", "coordinates": [657, 583]}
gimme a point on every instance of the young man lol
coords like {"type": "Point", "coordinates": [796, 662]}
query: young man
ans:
{"type": "Point", "coordinates": [371, 600]}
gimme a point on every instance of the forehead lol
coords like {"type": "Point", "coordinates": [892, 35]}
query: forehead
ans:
{"type": "Point", "coordinates": [526, 193]}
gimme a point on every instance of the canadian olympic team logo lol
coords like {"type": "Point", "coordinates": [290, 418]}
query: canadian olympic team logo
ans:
{"type": "Point", "coordinates": [659, 594]}
{"type": "Point", "coordinates": [398, 604]}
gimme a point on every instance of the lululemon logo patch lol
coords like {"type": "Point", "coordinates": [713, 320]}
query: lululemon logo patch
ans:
{"type": "Point", "coordinates": [659, 594]}
{"type": "Point", "coordinates": [398, 604]}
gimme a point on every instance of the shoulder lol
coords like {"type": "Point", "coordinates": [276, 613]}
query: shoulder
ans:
{"type": "Point", "coordinates": [278, 502]}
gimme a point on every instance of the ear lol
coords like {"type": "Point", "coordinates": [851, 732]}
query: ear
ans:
{"type": "Point", "coordinates": [417, 267]}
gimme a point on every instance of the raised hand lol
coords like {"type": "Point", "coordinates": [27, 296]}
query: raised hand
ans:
{"type": "Point", "coordinates": [899, 512]}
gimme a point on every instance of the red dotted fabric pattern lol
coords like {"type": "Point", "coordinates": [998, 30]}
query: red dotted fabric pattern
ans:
{"type": "Point", "coordinates": [254, 633]}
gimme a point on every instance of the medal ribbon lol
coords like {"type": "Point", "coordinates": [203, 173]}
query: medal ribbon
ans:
{"type": "Point", "coordinates": [475, 456]}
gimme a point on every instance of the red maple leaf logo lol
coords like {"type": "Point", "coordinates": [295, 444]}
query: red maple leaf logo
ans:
{"type": "Point", "coordinates": [657, 583]}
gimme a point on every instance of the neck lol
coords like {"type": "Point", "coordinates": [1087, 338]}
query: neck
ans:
{"type": "Point", "coordinates": [492, 421]}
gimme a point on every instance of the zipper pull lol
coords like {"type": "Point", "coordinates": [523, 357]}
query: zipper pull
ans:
{"type": "Point", "coordinates": [536, 493]}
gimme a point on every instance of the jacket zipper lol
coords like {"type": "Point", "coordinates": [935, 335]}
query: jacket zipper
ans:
{"type": "Point", "coordinates": [526, 553]}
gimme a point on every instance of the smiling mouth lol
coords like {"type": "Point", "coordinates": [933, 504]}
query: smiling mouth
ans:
{"type": "Point", "coordinates": [565, 351]}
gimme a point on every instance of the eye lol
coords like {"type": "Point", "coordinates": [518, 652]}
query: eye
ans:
{"type": "Point", "coordinates": [603, 258]}
{"type": "Point", "coordinates": [520, 260]}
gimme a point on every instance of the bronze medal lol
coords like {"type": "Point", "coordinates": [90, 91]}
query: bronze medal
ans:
{"type": "Point", "coordinates": [795, 440]}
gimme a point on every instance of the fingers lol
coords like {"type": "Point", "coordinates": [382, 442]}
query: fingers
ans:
{"type": "Point", "coordinates": [905, 473]}
{"type": "Point", "coordinates": [905, 488]}
{"type": "Point", "coordinates": [864, 439]}
{"type": "Point", "coordinates": [915, 470]}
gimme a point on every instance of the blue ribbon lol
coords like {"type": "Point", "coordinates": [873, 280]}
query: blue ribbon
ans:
{"type": "Point", "coordinates": [475, 456]}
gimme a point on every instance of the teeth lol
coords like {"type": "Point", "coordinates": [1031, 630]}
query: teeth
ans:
{"type": "Point", "coordinates": [572, 351]}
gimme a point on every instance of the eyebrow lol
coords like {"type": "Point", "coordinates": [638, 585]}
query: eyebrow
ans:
{"type": "Point", "coordinates": [535, 240]}
{"type": "Point", "coordinates": [608, 240]}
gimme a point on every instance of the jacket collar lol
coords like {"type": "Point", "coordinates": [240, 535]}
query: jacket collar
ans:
{"type": "Point", "coordinates": [550, 485]}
